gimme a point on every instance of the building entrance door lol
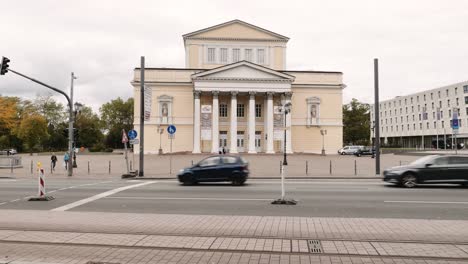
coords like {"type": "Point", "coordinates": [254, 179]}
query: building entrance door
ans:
{"type": "Point", "coordinates": [223, 140]}
{"type": "Point", "coordinates": [240, 141]}
{"type": "Point", "coordinates": [258, 141]}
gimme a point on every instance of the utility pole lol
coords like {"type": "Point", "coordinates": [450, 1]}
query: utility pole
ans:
{"type": "Point", "coordinates": [377, 117]}
{"type": "Point", "coordinates": [142, 115]}
{"type": "Point", "coordinates": [70, 130]}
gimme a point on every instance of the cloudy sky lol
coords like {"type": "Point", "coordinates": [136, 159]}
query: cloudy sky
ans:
{"type": "Point", "coordinates": [421, 44]}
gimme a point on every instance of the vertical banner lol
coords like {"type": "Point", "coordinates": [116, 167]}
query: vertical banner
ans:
{"type": "Point", "coordinates": [148, 99]}
{"type": "Point", "coordinates": [206, 116]}
{"type": "Point", "coordinates": [278, 123]}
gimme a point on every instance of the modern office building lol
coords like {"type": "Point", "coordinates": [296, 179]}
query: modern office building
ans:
{"type": "Point", "coordinates": [231, 95]}
{"type": "Point", "coordinates": [419, 120]}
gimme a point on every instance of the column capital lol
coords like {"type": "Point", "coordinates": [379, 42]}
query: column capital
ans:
{"type": "Point", "coordinates": [234, 93]}
{"type": "Point", "coordinates": [197, 94]}
{"type": "Point", "coordinates": [270, 95]}
{"type": "Point", "coordinates": [252, 93]}
{"type": "Point", "coordinates": [288, 95]}
{"type": "Point", "coordinates": [215, 93]}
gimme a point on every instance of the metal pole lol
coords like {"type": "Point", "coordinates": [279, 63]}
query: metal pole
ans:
{"type": "Point", "coordinates": [88, 168]}
{"type": "Point", "coordinates": [355, 167]}
{"type": "Point", "coordinates": [377, 117]}
{"type": "Point", "coordinates": [31, 167]}
{"type": "Point", "coordinates": [142, 113]}
{"type": "Point", "coordinates": [170, 158]}
{"type": "Point", "coordinates": [330, 167]}
{"type": "Point", "coordinates": [283, 168]}
{"type": "Point", "coordinates": [70, 129]}
{"type": "Point", "coordinates": [307, 167]}
{"type": "Point", "coordinates": [285, 162]}
{"type": "Point", "coordinates": [109, 167]}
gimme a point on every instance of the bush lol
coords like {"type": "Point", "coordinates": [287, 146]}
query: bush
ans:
{"type": "Point", "coordinates": [97, 148]}
{"type": "Point", "coordinates": [109, 150]}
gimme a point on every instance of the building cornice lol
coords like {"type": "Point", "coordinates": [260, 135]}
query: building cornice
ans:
{"type": "Point", "coordinates": [237, 39]}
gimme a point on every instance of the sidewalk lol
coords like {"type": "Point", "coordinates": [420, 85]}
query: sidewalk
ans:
{"type": "Point", "coordinates": [294, 239]}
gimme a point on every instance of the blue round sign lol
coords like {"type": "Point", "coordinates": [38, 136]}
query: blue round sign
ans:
{"type": "Point", "coordinates": [132, 134]}
{"type": "Point", "coordinates": [171, 129]}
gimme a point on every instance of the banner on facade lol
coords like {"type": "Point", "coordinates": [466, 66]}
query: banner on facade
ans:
{"type": "Point", "coordinates": [147, 93]}
{"type": "Point", "coordinates": [206, 134]}
{"type": "Point", "coordinates": [206, 109]}
{"type": "Point", "coordinates": [278, 134]}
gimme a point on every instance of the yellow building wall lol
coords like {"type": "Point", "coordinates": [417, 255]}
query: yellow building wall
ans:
{"type": "Point", "coordinates": [309, 140]}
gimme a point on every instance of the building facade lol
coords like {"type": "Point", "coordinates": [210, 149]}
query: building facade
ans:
{"type": "Point", "coordinates": [231, 95]}
{"type": "Point", "coordinates": [420, 120]}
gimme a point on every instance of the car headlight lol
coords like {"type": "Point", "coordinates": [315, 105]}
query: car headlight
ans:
{"type": "Point", "coordinates": [181, 170]}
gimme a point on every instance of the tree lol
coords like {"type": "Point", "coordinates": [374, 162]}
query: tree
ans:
{"type": "Point", "coordinates": [8, 114]}
{"type": "Point", "coordinates": [88, 125]}
{"type": "Point", "coordinates": [52, 111]}
{"type": "Point", "coordinates": [33, 131]}
{"type": "Point", "coordinates": [115, 116]}
{"type": "Point", "coordinates": [356, 121]}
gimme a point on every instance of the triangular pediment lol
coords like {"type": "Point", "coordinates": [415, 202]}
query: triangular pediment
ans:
{"type": "Point", "coordinates": [236, 29]}
{"type": "Point", "coordinates": [243, 70]}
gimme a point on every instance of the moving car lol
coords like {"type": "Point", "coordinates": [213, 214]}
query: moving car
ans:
{"type": "Point", "coordinates": [349, 150]}
{"type": "Point", "coordinates": [430, 169]}
{"type": "Point", "coordinates": [216, 169]}
{"type": "Point", "coordinates": [8, 152]}
{"type": "Point", "coordinates": [365, 151]}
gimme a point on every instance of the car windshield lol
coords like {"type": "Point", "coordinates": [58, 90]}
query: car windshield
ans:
{"type": "Point", "coordinates": [423, 160]}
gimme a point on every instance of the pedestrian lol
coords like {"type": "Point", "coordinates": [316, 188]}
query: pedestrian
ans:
{"type": "Point", "coordinates": [224, 150]}
{"type": "Point", "coordinates": [53, 159]}
{"type": "Point", "coordinates": [66, 158]}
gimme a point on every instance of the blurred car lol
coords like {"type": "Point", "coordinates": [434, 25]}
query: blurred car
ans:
{"type": "Point", "coordinates": [8, 152]}
{"type": "Point", "coordinates": [349, 150]}
{"type": "Point", "coordinates": [365, 151]}
{"type": "Point", "coordinates": [216, 169]}
{"type": "Point", "coordinates": [430, 169]}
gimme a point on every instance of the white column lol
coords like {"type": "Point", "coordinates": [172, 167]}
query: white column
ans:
{"type": "Point", "coordinates": [233, 148]}
{"type": "Point", "coordinates": [196, 123]}
{"type": "Point", "coordinates": [269, 116]}
{"type": "Point", "coordinates": [215, 124]}
{"type": "Point", "coordinates": [288, 125]}
{"type": "Point", "coordinates": [252, 123]}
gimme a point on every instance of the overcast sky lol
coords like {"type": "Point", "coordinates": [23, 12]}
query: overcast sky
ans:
{"type": "Point", "coordinates": [420, 44]}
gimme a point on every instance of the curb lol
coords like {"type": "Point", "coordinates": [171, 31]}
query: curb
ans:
{"type": "Point", "coordinates": [276, 178]}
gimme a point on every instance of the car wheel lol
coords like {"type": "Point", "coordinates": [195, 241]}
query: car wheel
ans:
{"type": "Point", "coordinates": [359, 154]}
{"type": "Point", "coordinates": [464, 184]}
{"type": "Point", "coordinates": [342, 153]}
{"type": "Point", "coordinates": [188, 180]}
{"type": "Point", "coordinates": [237, 180]}
{"type": "Point", "coordinates": [409, 180]}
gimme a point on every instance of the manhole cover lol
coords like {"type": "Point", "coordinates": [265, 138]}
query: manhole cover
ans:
{"type": "Point", "coordinates": [315, 246]}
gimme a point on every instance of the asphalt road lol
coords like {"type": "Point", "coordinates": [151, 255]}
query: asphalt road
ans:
{"type": "Point", "coordinates": [316, 198]}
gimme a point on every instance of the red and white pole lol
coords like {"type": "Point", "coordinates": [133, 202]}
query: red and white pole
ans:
{"type": "Point", "coordinates": [40, 171]}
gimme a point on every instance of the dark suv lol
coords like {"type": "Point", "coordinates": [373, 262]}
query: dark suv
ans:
{"type": "Point", "coordinates": [216, 169]}
{"type": "Point", "coordinates": [369, 151]}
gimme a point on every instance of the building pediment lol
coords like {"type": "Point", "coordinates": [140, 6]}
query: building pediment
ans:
{"type": "Point", "coordinates": [235, 29]}
{"type": "Point", "coordinates": [243, 71]}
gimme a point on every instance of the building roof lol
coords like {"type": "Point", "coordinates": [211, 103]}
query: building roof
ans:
{"type": "Point", "coordinates": [235, 21]}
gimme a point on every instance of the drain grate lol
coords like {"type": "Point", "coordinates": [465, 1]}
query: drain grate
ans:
{"type": "Point", "coordinates": [315, 246]}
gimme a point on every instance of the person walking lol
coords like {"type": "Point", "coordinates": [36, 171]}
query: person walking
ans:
{"type": "Point", "coordinates": [53, 159]}
{"type": "Point", "coordinates": [66, 158]}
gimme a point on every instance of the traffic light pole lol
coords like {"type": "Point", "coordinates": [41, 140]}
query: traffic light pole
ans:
{"type": "Point", "coordinates": [70, 119]}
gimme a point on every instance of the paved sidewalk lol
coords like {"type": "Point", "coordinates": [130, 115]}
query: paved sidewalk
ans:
{"type": "Point", "coordinates": [45, 235]}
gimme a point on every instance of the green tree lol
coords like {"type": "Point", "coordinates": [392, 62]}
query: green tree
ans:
{"type": "Point", "coordinates": [115, 116]}
{"type": "Point", "coordinates": [52, 111]}
{"type": "Point", "coordinates": [33, 131]}
{"type": "Point", "coordinates": [356, 121]}
{"type": "Point", "coordinates": [88, 125]}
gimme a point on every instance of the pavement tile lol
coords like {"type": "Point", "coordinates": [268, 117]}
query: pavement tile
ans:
{"type": "Point", "coordinates": [107, 239]}
{"type": "Point", "coordinates": [42, 236]}
{"type": "Point", "coordinates": [7, 233]}
{"type": "Point", "coordinates": [426, 250]}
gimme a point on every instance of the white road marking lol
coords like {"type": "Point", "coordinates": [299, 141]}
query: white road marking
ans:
{"type": "Point", "coordinates": [99, 196]}
{"type": "Point", "coordinates": [426, 202]}
{"type": "Point", "coordinates": [3, 203]}
{"type": "Point", "coordinates": [8, 180]}
{"type": "Point", "coordinates": [12, 201]}
{"type": "Point", "coordinates": [190, 198]}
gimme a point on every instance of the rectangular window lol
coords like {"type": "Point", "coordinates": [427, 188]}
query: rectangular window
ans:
{"type": "Point", "coordinates": [442, 124]}
{"type": "Point", "coordinates": [411, 99]}
{"type": "Point", "coordinates": [260, 56]}
{"type": "Point", "coordinates": [258, 110]}
{"type": "Point", "coordinates": [432, 96]}
{"type": "Point", "coordinates": [412, 109]}
{"type": "Point", "coordinates": [223, 110]}
{"type": "Point", "coordinates": [467, 110]}
{"type": "Point", "coordinates": [235, 55]}
{"type": "Point", "coordinates": [448, 102]}
{"type": "Point", "coordinates": [248, 54]}
{"type": "Point", "coordinates": [427, 125]}
{"type": "Point", "coordinates": [434, 124]}
{"type": "Point", "coordinates": [424, 98]}
{"type": "Point", "coordinates": [458, 102]}
{"type": "Point", "coordinates": [466, 99]}
{"type": "Point", "coordinates": [420, 125]}
{"type": "Point", "coordinates": [223, 55]}
{"type": "Point", "coordinates": [240, 110]}
{"type": "Point", "coordinates": [465, 88]}
{"type": "Point", "coordinates": [432, 105]}
{"type": "Point", "coordinates": [417, 98]}
{"type": "Point", "coordinates": [438, 94]}
{"type": "Point", "coordinates": [450, 113]}
{"type": "Point", "coordinates": [211, 55]}
{"type": "Point", "coordinates": [440, 104]}
{"type": "Point", "coordinates": [456, 90]}
{"type": "Point", "coordinates": [447, 92]}
{"type": "Point", "coordinates": [414, 127]}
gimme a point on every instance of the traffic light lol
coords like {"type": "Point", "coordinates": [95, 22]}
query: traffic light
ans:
{"type": "Point", "coordinates": [4, 65]}
{"type": "Point", "coordinates": [76, 133]}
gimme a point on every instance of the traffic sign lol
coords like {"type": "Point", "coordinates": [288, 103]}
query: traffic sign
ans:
{"type": "Point", "coordinates": [171, 129]}
{"type": "Point", "coordinates": [124, 137]}
{"type": "Point", "coordinates": [132, 134]}
{"type": "Point", "coordinates": [134, 141]}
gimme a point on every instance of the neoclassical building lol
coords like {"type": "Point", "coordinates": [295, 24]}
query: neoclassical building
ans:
{"type": "Point", "coordinates": [231, 94]}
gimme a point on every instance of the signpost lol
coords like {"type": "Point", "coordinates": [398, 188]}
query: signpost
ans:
{"type": "Point", "coordinates": [171, 131]}
{"type": "Point", "coordinates": [132, 134]}
{"type": "Point", "coordinates": [125, 141]}
{"type": "Point", "coordinates": [455, 127]}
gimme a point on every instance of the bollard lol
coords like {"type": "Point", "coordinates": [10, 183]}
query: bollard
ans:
{"type": "Point", "coordinates": [109, 167]}
{"type": "Point", "coordinates": [11, 166]}
{"type": "Point", "coordinates": [307, 167]}
{"type": "Point", "coordinates": [330, 167]}
{"type": "Point", "coordinates": [400, 162]}
{"type": "Point", "coordinates": [280, 167]}
{"type": "Point", "coordinates": [355, 167]}
{"type": "Point", "coordinates": [88, 168]}
{"type": "Point", "coordinates": [31, 167]}
{"type": "Point", "coordinates": [192, 162]}
{"type": "Point", "coordinates": [131, 168]}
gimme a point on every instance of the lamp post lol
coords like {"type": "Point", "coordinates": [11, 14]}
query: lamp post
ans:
{"type": "Point", "coordinates": [286, 108]}
{"type": "Point", "coordinates": [76, 111]}
{"type": "Point", "coordinates": [160, 132]}
{"type": "Point", "coordinates": [323, 132]}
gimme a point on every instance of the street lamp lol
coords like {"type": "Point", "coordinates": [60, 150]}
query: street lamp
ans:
{"type": "Point", "coordinates": [323, 132]}
{"type": "Point", "coordinates": [76, 111]}
{"type": "Point", "coordinates": [286, 109]}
